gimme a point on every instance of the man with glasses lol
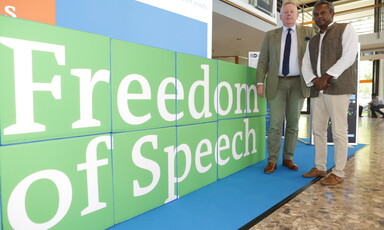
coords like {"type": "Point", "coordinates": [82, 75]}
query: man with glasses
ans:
{"type": "Point", "coordinates": [279, 73]}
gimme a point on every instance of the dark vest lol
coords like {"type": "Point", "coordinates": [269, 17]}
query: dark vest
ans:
{"type": "Point", "coordinates": [331, 51]}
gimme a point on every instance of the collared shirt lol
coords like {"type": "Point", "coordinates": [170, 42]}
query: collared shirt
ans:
{"type": "Point", "coordinates": [294, 68]}
{"type": "Point", "coordinates": [377, 101]}
{"type": "Point", "coordinates": [348, 57]}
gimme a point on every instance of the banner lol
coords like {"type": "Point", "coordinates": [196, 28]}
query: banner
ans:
{"type": "Point", "coordinates": [95, 131]}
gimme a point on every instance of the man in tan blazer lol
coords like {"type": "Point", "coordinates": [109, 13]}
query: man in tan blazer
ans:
{"type": "Point", "coordinates": [279, 75]}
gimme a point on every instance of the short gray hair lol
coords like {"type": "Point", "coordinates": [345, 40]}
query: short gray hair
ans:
{"type": "Point", "coordinates": [321, 2]}
{"type": "Point", "coordinates": [287, 3]}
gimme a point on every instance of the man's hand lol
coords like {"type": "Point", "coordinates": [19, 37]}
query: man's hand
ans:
{"type": "Point", "coordinates": [260, 90]}
{"type": "Point", "coordinates": [322, 83]}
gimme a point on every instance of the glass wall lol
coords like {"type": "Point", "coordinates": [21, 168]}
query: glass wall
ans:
{"type": "Point", "coordinates": [365, 84]}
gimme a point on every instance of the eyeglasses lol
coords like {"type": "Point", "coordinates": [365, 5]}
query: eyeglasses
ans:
{"type": "Point", "coordinates": [290, 12]}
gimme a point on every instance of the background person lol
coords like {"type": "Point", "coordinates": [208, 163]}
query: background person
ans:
{"type": "Point", "coordinates": [375, 105]}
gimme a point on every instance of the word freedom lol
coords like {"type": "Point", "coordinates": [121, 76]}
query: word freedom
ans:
{"type": "Point", "coordinates": [25, 87]}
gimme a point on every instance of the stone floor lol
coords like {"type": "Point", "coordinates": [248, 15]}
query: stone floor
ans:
{"type": "Point", "coordinates": [357, 203]}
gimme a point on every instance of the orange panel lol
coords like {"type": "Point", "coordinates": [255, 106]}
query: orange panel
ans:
{"type": "Point", "coordinates": [35, 10]}
{"type": "Point", "coordinates": [365, 81]}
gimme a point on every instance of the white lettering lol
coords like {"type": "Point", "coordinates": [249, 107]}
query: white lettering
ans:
{"type": "Point", "coordinates": [87, 84]}
{"type": "Point", "coordinates": [123, 97]}
{"type": "Point", "coordinates": [218, 107]}
{"type": "Point", "coordinates": [171, 168]}
{"type": "Point", "coordinates": [220, 148]}
{"type": "Point", "coordinates": [162, 96]}
{"type": "Point", "coordinates": [238, 97]}
{"type": "Point", "coordinates": [234, 152]}
{"type": "Point", "coordinates": [247, 134]}
{"type": "Point", "coordinates": [24, 85]}
{"type": "Point", "coordinates": [199, 154]}
{"type": "Point", "coordinates": [90, 166]}
{"type": "Point", "coordinates": [191, 98]}
{"type": "Point", "coordinates": [17, 213]}
{"type": "Point", "coordinates": [11, 11]}
{"type": "Point", "coordinates": [145, 163]}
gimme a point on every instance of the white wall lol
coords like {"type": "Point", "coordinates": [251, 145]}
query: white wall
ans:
{"type": "Point", "coordinates": [234, 13]}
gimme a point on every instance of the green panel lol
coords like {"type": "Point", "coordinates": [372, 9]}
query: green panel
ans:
{"type": "Point", "coordinates": [234, 136]}
{"type": "Point", "coordinates": [232, 90]}
{"type": "Point", "coordinates": [258, 124]}
{"type": "Point", "coordinates": [260, 107]}
{"type": "Point", "coordinates": [141, 175]}
{"type": "Point", "coordinates": [196, 156]}
{"type": "Point", "coordinates": [198, 80]}
{"type": "Point", "coordinates": [140, 74]}
{"type": "Point", "coordinates": [1, 214]}
{"type": "Point", "coordinates": [48, 106]}
{"type": "Point", "coordinates": [68, 179]}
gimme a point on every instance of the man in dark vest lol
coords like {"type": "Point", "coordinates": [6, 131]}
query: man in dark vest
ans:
{"type": "Point", "coordinates": [329, 67]}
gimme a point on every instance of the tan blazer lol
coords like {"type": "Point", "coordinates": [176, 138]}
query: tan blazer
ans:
{"type": "Point", "coordinates": [269, 59]}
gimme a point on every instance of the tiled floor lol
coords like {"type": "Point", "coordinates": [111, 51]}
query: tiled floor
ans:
{"type": "Point", "coordinates": [357, 203]}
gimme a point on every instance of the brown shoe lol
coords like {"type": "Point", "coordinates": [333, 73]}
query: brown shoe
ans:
{"type": "Point", "coordinates": [270, 168]}
{"type": "Point", "coordinates": [290, 165]}
{"type": "Point", "coordinates": [314, 173]}
{"type": "Point", "coordinates": [331, 179]}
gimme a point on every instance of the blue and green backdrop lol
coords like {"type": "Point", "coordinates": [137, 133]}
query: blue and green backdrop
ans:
{"type": "Point", "coordinates": [95, 131]}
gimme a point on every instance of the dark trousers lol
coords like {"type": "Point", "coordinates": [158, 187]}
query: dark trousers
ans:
{"type": "Point", "coordinates": [375, 109]}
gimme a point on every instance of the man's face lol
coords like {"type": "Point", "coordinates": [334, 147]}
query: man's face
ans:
{"type": "Point", "coordinates": [322, 16]}
{"type": "Point", "coordinates": [289, 15]}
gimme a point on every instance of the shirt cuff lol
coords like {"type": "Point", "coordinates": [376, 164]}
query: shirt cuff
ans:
{"type": "Point", "coordinates": [334, 75]}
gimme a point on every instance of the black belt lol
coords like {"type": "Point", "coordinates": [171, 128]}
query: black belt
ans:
{"type": "Point", "coordinates": [289, 76]}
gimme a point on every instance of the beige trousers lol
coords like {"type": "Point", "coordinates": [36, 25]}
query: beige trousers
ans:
{"type": "Point", "coordinates": [335, 107]}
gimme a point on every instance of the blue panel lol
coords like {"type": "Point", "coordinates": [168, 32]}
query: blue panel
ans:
{"type": "Point", "coordinates": [232, 202]}
{"type": "Point", "coordinates": [135, 22]}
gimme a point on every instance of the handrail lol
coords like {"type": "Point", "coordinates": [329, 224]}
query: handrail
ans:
{"type": "Point", "coordinates": [349, 11]}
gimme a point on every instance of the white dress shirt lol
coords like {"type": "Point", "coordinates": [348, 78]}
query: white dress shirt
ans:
{"type": "Point", "coordinates": [348, 57]}
{"type": "Point", "coordinates": [377, 101]}
{"type": "Point", "coordinates": [294, 68]}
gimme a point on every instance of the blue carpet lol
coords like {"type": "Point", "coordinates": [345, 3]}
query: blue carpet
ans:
{"type": "Point", "coordinates": [234, 201]}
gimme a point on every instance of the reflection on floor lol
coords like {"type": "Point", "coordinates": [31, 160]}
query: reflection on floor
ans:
{"type": "Point", "coordinates": [357, 203]}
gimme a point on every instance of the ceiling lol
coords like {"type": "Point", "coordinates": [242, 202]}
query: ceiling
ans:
{"type": "Point", "coordinates": [234, 38]}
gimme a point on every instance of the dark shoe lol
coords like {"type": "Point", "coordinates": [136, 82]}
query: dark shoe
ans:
{"type": "Point", "coordinates": [271, 167]}
{"type": "Point", "coordinates": [331, 179]}
{"type": "Point", "coordinates": [290, 165]}
{"type": "Point", "coordinates": [314, 173]}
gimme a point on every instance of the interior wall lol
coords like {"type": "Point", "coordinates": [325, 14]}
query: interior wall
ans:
{"type": "Point", "coordinates": [381, 79]}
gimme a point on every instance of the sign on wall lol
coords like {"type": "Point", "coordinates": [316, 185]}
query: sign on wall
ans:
{"type": "Point", "coordinates": [121, 135]}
